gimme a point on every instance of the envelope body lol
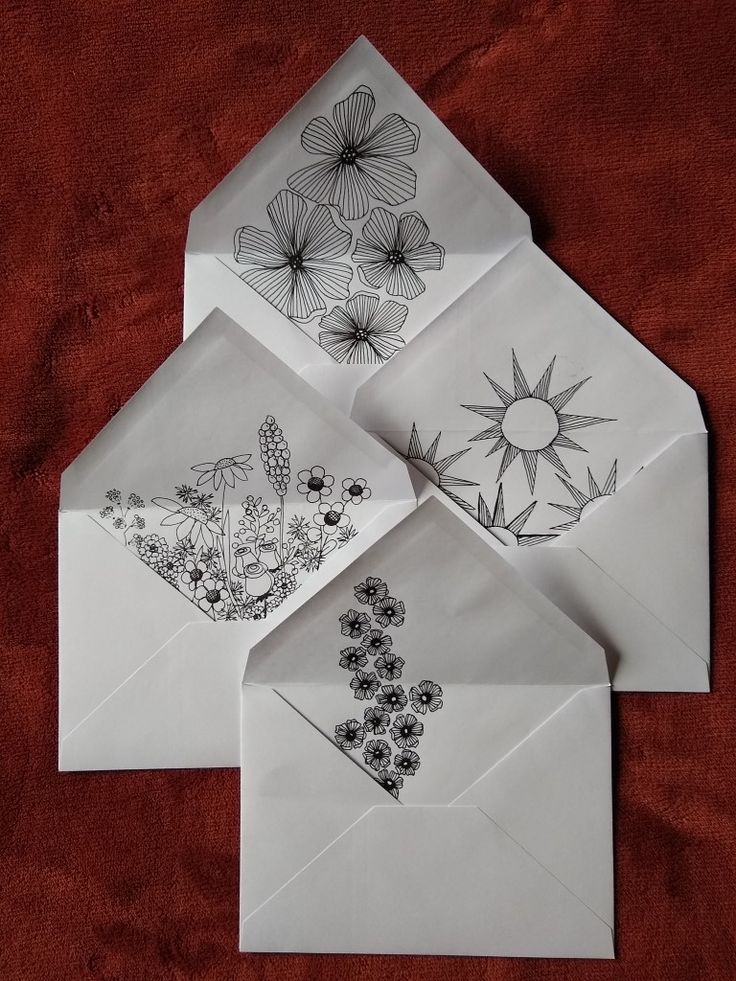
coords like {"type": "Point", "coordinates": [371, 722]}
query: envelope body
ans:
{"type": "Point", "coordinates": [220, 497]}
{"type": "Point", "coordinates": [471, 817]}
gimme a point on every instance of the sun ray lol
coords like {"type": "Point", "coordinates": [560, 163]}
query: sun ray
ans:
{"type": "Point", "coordinates": [584, 502]}
{"type": "Point", "coordinates": [551, 455]}
{"type": "Point", "coordinates": [437, 470]}
{"type": "Point", "coordinates": [562, 398]}
{"type": "Point", "coordinates": [529, 460]}
{"type": "Point", "coordinates": [541, 390]}
{"type": "Point", "coordinates": [510, 454]}
{"type": "Point", "coordinates": [521, 386]}
{"type": "Point", "coordinates": [567, 423]}
{"type": "Point", "coordinates": [431, 453]}
{"type": "Point", "coordinates": [509, 533]}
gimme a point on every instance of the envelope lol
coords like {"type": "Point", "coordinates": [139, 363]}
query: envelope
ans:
{"type": "Point", "coordinates": [581, 455]}
{"type": "Point", "coordinates": [354, 222]}
{"type": "Point", "coordinates": [221, 497]}
{"type": "Point", "coordinates": [426, 762]}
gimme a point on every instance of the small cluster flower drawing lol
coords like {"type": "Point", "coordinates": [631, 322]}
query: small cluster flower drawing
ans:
{"type": "Point", "coordinates": [245, 568]}
{"type": "Point", "coordinates": [528, 424]}
{"type": "Point", "coordinates": [392, 712]}
{"type": "Point", "coordinates": [333, 220]}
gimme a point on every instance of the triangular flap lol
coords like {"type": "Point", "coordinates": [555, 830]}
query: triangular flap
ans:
{"type": "Point", "coordinates": [453, 608]}
{"type": "Point", "coordinates": [552, 795]}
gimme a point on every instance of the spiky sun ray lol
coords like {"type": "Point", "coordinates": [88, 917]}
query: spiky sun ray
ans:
{"type": "Point", "coordinates": [582, 499]}
{"type": "Point", "coordinates": [439, 468]}
{"type": "Point", "coordinates": [565, 422]}
{"type": "Point", "coordinates": [497, 519]}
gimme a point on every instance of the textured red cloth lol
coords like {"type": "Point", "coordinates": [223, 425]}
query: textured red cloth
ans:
{"type": "Point", "coordinates": [614, 125]}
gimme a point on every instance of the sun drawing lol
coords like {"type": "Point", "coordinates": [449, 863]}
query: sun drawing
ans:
{"type": "Point", "coordinates": [437, 470]}
{"type": "Point", "coordinates": [585, 503]}
{"type": "Point", "coordinates": [509, 533]}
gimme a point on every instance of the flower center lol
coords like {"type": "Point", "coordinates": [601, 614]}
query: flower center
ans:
{"type": "Point", "coordinates": [348, 155]}
{"type": "Point", "coordinates": [355, 490]}
{"type": "Point", "coordinates": [333, 518]}
{"type": "Point", "coordinates": [315, 483]}
{"type": "Point", "coordinates": [361, 334]}
{"type": "Point", "coordinates": [396, 257]}
{"type": "Point", "coordinates": [226, 461]}
{"type": "Point", "coordinates": [195, 575]}
{"type": "Point", "coordinates": [296, 261]}
{"type": "Point", "coordinates": [196, 513]}
{"type": "Point", "coordinates": [213, 596]}
{"type": "Point", "coordinates": [425, 699]}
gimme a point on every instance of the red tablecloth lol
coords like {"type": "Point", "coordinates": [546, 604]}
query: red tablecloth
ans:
{"type": "Point", "coordinates": [614, 125]}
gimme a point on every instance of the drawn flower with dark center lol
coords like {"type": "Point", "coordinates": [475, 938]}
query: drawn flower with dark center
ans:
{"type": "Point", "coordinates": [169, 565]}
{"type": "Point", "coordinates": [393, 250]}
{"type": "Point", "coordinates": [315, 484]}
{"type": "Point", "coordinates": [377, 642]}
{"type": "Point", "coordinates": [391, 781]}
{"type": "Point", "coordinates": [193, 574]}
{"type": "Point", "coordinates": [355, 491]}
{"type": "Point", "coordinates": [349, 734]}
{"type": "Point", "coordinates": [192, 521]}
{"type": "Point", "coordinates": [363, 332]}
{"type": "Point", "coordinates": [331, 516]}
{"type": "Point", "coordinates": [377, 754]}
{"type": "Point", "coordinates": [151, 548]}
{"type": "Point", "coordinates": [389, 612]}
{"type": "Point", "coordinates": [359, 163]}
{"type": "Point", "coordinates": [353, 658]}
{"type": "Point", "coordinates": [211, 594]}
{"type": "Point", "coordinates": [371, 590]}
{"type": "Point", "coordinates": [376, 720]}
{"type": "Point", "coordinates": [364, 685]}
{"type": "Point", "coordinates": [293, 267]}
{"type": "Point", "coordinates": [426, 697]}
{"type": "Point", "coordinates": [391, 698]}
{"type": "Point", "coordinates": [389, 666]}
{"type": "Point", "coordinates": [407, 762]}
{"type": "Point", "coordinates": [354, 624]}
{"type": "Point", "coordinates": [406, 731]}
{"type": "Point", "coordinates": [228, 470]}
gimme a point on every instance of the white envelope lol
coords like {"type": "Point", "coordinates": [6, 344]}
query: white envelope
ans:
{"type": "Point", "coordinates": [581, 454]}
{"type": "Point", "coordinates": [160, 596]}
{"type": "Point", "coordinates": [299, 242]}
{"type": "Point", "coordinates": [489, 831]}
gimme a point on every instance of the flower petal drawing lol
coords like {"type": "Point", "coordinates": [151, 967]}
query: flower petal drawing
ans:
{"type": "Point", "coordinates": [363, 332]}
{"type": "Point", "coordinates": [393, 250]}
{"type": "Point", "coordinates": [377, 754]}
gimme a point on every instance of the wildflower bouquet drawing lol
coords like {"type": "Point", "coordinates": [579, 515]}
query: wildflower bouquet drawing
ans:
{"type": "Point", "coordinates": [240, 562]}
{"type": "Point", "coordinates": [370, 657]}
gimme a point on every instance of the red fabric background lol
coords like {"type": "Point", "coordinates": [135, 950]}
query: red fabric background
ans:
{"type": "Point", "coordinates": [613, 123]}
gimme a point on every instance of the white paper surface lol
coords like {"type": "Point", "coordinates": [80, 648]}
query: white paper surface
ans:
{"type": "Point", "coordinates": [219, 498]}
{"type": "Point", "coordinates": [505, 800]}
{"type": "Point", "coordinates": [576, 449]}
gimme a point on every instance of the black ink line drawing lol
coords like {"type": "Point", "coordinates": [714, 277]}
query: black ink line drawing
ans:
{"type": "Point", "coordinates": [294, 266]}
{"type": "Point", "coordinates": [584, 503]}
{"type": "Point", "coordinates": [436, 470]}
{"type": "Point", "coordinates": [385, 715]}
{"type": "Point", "coordinates": [392, 251]}
{"type": "Point", "coordinates": [363, 332]}
{"type": "Point", "coordinates": [530, 423]}
{"type": "Point", "coordinates": [358, 163]}
{"type": "Point", "coordinates": [248, 573]}
{"type": "Point", "coordinates": [509, 533]}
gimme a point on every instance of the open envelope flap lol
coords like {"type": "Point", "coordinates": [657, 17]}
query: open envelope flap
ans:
{"type": "Point", "coordinates": [469, 617]}
{"type": "Point", "coordinates": [652, 539]}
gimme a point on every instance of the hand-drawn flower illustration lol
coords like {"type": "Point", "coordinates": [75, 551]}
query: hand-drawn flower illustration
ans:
{"type": "Point", "coordinates": [391, 781]}
{"type": "Point", "coordinates": [191, 521]}
{"type": "Point", "coordinates": [353, 658]}
{"type": "Point", "coordinates": [393, 250]}
{"type": "Point", "coordinates": [293, 267]}
{"type": "Point", "coordinates": [406, 731]}
{"type": "Point", "coordinates": [358, 163]}
{"type": "Point", "coordinates": [389, 666]}
{"type": "Point", "coordinates": [363, 332]}
{"type": "Point", "coordinates": [169, 565]}
{"type": "Point", "coordinates": [376, 720]}
{"type": "Point", "coordinates": [389, 612]}
{"type": "Point", "coordinates": [364, 685]}
{"type": "Point", "coordinates": [371, 590]}
{"type": "Point", "coordinates": [349, 734]}
{"type": "Point", "coordinates": [193, 574]}
{"type": "Point", "coordinates": [377, 754]}
{"type": "Point", "coordinates": [212, 595]}
{"type": "Point", "coordinates": [355, 491]}
{"type": "Point", "coordinates": [151, 548]}
{"type": "Point", "coordinates": [227, 470]}
{"type": "Point", "coordinates": [315, 484]}
{"type": "Point", "coordinates": [354, 624]}
{"type": "Point", "coordinates": [392, 698]}
{"type": "Point", "coordinates": [407, 762]}
{"type": "Point", "coordinates": [377, 642]}
{"type": "Point", "coordinates": [426, 696]}
{"type": "Point", "coordinates": [284, 583]}
{"type": "Point", "coordinates": [275, 455]}
{"type": "Point", "coordinates": [331, 516]}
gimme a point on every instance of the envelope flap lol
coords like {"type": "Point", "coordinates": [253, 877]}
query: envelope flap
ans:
{"type": "Point", "coordinates": [651, 537]}
{"type": "Point", "coordinates": [468, 618]}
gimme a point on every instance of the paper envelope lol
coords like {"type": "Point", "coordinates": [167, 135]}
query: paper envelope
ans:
{"type": "Point", "coordinates": [217, 500]}
{"type": "Point", "coordinates": [579, 452]}
{"type": "Point", "coordinates": [348, 228]}
{"type": "Point", "coordinates": [426, 763]}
